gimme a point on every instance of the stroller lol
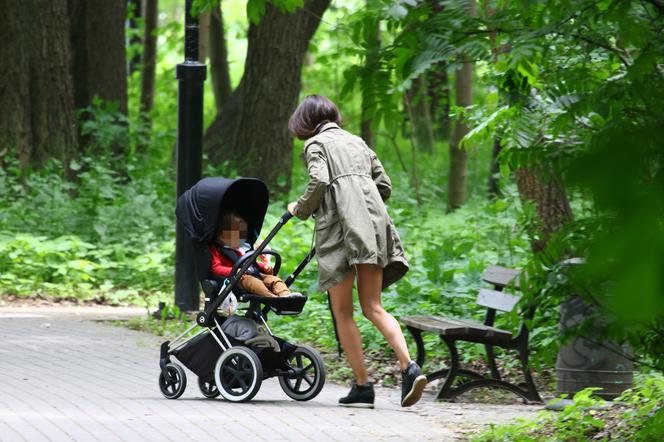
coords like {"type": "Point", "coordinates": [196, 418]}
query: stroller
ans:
{"type": "Point", "coordinates": [224, 364]}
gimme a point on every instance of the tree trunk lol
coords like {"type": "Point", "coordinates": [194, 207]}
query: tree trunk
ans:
{"type": "Point", "coordinates": [372, 55]}
{"type": "Point", "coordinates": [98, 46]}
{"type": "Point", "coordinates": [149, 56]}
{"type": "Point", "coordinates": [418, 112]}
{"type": "Point", "coordinates": [148, 68]}
{"type": "Point", "coordinates": [203, 36]}
{"type": "Point", "coordinates": [439, 89]}
{"type": "Point", "coordinates": [36, 91]}
{"type": "Point", "coordinates": [219, 71]}
{"type": "Point", "coordinates": [135, 11]}
{"type": "Point", "coordinates": [494, 173]}
{"type": "Point", "coordinates": [251, 130]}
{"type": "Point", "coordinates": [458, 175]}
{"type": "Point", "coordinates": [494, 170]}
{"type": "Point", "coordinates": [99, 64]}
{"type": "Point", "coordinates": [542, 187]}
{"type": "Point", "coordinates": [439, 93]}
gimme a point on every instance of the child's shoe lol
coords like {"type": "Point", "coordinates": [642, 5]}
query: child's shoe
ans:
{"type": "Point", "coordinates": [412, 384]}
{"type": "Point", "coordinates": [360, 396]}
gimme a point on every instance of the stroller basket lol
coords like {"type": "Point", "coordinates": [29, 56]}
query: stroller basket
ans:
{"type": "Point", "coordinates": [201, 353]}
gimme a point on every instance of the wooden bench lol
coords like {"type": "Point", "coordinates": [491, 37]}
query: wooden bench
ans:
{"type": "Point", "coordinates": [452, 330]}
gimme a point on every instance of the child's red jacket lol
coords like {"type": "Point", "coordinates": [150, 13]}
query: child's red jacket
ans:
{"type": "Point", "coordinates": [222, 266]}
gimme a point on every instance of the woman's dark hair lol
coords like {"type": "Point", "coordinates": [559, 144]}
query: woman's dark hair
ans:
{"type": "Point", "coordinates": [311, 113]}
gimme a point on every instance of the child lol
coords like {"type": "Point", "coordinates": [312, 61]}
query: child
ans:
{"type": "Point", "coordinates": [258, 279]}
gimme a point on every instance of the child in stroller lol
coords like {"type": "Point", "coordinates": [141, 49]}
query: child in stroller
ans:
{"type": "Point", "coordinates": [226, 365]}
{"type": "Point", "coordinates": [227, 250]}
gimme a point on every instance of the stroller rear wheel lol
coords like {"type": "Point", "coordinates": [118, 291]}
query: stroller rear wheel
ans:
{"type": "Point", "coordinates": [238, 374]}
{"type": "Point", "coordinates": [308, 374]}
{"type": "Point", "coordinates": [208, 387]}
{"type": "Point", "coordinates": [174, 387]}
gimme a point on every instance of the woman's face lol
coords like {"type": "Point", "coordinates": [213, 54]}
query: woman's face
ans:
{"type": "Point", "coordinates": [233, 232]}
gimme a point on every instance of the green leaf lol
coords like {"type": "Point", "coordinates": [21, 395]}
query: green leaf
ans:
{"type": "Point", "coordinates": [256, 10]}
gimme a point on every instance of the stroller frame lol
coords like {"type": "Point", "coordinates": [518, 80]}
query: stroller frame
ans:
{"type": "Point", "coordinates": [287, 363]}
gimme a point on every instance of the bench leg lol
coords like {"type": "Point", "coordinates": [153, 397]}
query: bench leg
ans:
{"type": "Point", "coordinates": [532, 394]}
{"type": "Point", "coordinates": [461, 374]}
{"type": "Point", "coordinates": [445, 391]}
{"type": "Point", "coordinates": [417, 336]}
{"type": "Point", "coordinates": [491, 361]}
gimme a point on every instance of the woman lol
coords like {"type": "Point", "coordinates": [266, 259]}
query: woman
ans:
{"type": "Point", "coordinates": [355, 238]}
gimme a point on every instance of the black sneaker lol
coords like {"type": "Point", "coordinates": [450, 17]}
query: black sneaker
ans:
{"type": "Point", "coordinates": [412, 384]}
{"type": "Point", "coordinates": [361, 396]}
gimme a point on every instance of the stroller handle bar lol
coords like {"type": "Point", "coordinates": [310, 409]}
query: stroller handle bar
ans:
{"type": "Point", "coordinates": [204, 317]}
{"type": "Point", "coordinates": [249, 255]}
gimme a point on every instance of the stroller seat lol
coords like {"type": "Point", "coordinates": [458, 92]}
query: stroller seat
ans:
{"type": "Point", "coordinates": [285, 306]}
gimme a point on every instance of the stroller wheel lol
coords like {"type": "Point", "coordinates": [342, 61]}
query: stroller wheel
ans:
{"type": "Point", "coordinates": [308, 376]}
{"type": "Point", "coordinates": [238, 374]}
{"type": "Point", "coordinates": [208, 387]}
{"type": "Point", "coordinates": [174, 387]}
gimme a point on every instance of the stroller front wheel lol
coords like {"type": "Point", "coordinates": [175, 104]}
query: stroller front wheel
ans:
{"type": "Point", "coordinates": [173, 387]}
{"type": "Point", "coordinates": [208, 387]}
{"type": "Point", "coordinates": [308, 374]}
{"type": "Point", "coordinates": [238, 374]}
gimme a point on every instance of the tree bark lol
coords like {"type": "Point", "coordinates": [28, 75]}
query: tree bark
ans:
{"type": "Point", "coordinates": [419, 115]}
{"type": "Point", "coordinates": [203, 36]}
{"type": "Point", "coordinates": [149, 56]}
{"type": "Point", "coordinates": [219, 70]}
{"type": "Point", "coordinates": [494, 172]}
{"type": "Point", "coordinates": [439, 92]}
{"type": "Point", "coordinates": [36, 91]}
{"type": "Point", "coordinates": [99, 64]}
{"type": "Point", "coordinates": [458, 175]}
{"type": "Point", "coordinates": [494, 169]}
{"type": "Point", "coordinates": [439, 89]}
{"type": "Point", "coordinates": [542, 187]}
{"type": "Point", "coordinates": [134, 7]}
{"type": "Point", "coordinates": [251, 130]}
{"type": "Point", "coordinates": [372, 55]}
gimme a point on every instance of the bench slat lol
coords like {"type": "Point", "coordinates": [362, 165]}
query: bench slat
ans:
{"type": "Point", "coordinates": [500, 276]}
{"type": "Point", "coordinates": [454, 327]}
{"type": "Point", "coordinates": [494, 299]}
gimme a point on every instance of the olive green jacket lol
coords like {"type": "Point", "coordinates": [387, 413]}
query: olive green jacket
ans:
{"type": "Point", "coordinates": [346, 193]}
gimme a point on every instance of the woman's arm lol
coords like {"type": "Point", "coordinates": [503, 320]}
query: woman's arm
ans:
{"type": "Point", "coordinates": [379, 176]}
{"type": "Point", "coordinates": [318, 180]}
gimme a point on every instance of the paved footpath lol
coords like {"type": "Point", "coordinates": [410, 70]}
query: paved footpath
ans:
{"type": "Point", "coordinates": [66, 376]}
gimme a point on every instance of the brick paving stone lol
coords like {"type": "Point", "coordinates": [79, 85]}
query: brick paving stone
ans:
{"type": "Point", "coordinates": [68, 377]}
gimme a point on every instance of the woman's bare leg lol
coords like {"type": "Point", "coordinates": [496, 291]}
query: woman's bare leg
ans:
{"type": "Point", "coordinates": [341, 297]}
{"type": "Point", "coordinates": [369, 285]}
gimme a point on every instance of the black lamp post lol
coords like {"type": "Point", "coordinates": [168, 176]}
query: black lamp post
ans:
{"type": "Point", "coordinates": [191, 76]}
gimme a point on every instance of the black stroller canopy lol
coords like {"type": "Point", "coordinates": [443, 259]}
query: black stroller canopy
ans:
{"type": "Point", "coordinates": [199, 208]}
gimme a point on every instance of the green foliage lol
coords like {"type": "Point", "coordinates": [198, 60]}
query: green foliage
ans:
{"type": "Point", "coordinates": [171, 323]}
{"type": "Point", "coordinates": [111, 240]}
{"type": "Point", "coordinates": [635, 416]}
{"type": "Point", "coordinates": [104, 126]}
{"type": "Point", "coordinates": [577, 93]}
{"type": "Point", "coordinates": [255, 8]}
